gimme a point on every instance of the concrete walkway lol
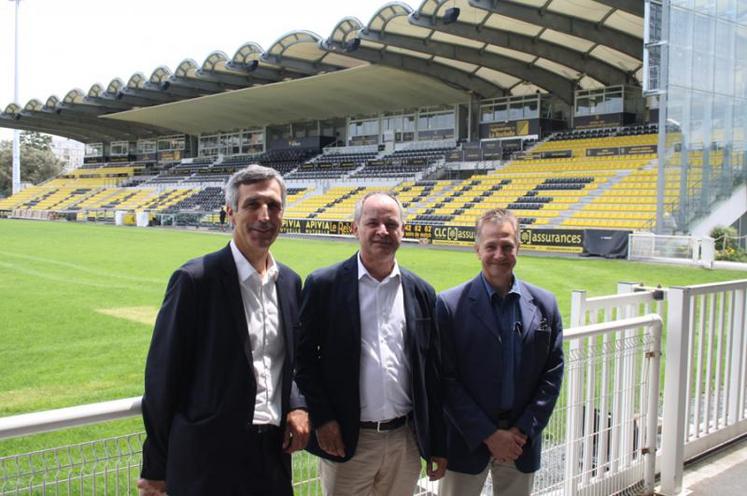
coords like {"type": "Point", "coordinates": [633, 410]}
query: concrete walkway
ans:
{"type": "Point", "coordinates": [723, 473]}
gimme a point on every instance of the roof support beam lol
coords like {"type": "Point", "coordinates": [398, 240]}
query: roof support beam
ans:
{"type": "Point", "coordinates": [108, 103]}
{"type": "Point", "coordinates": [596, 33]}
{"type": "Point", "coordinates": [593, 67]}
{"type": "Point", "coordinates": [235, 80]}
{"type": "Point", "coordinates": [260, 74]}
{"type": "Point", "coordinates": [634, 7]}
{"type": "Point", "coordinates": [180, 90]}
{"type": "Point", "coordinates": [298, 65]}
{"type": "Point", "coordinates": [448, 75]}
{"type": "Point", "coordinates": [37, 121]}
{"type": "Point", "coordinates": [149, 95]}
{"type": "Point", "coordinates": [132, 100]}
{"type": "Point", "coordinates": [541, 77]}
{"type": "Point", "coordinates": [68, 118]}
{"type": "Point", "coordinates": [243, 77]}
{"type": "Point", "coordinates": [10, 122]}
{"type": "Point", "coordinates": [197, 87]}
{"type": "Point", "coordinates": [85, 115]}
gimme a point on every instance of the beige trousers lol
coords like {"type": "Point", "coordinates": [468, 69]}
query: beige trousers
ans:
{"type": "Point", "coordinates": [507, 481]}
{"type": "Point", "coordinates": [384, 464]}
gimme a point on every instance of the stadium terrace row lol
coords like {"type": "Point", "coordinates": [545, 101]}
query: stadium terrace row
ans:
{"type": "Point", "coordinates": [575, 179]}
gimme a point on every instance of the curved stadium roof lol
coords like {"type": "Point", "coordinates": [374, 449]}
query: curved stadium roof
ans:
{"type": "Point", "coordinates": [445, 51]}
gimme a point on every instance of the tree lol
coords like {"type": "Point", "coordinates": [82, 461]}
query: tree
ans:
{"type": "Point", "coordinates": [36, 140]}
{"type": "Point", "coordinates": [38, 162]}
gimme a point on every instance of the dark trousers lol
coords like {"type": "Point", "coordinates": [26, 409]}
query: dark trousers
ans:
{"type": "Point", "coordinates": [270, 468]}
{"type": "Point", "coordinates": [256, 466]}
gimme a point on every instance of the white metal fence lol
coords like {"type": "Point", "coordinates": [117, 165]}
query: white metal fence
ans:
{"type": "Point", "coordinates": [603, 432]}
{"type": "Point", "coordinates": [705, 387]}
{"type": "Point", "coordinates": [705, 363]}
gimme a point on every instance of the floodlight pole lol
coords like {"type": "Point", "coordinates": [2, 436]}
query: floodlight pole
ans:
{"type": "Point", "coordinates": [16, 132]}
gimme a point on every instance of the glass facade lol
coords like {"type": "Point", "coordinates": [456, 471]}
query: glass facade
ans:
{"type": "Point", "coordinates": [609, 100]}
{"type": "Point", "coordinates": [696, 56]}
{"type": "Point", "coordinates": [146, 146]}
{"type": "Point", "coordinates": [245, 142]}
{"type": "Point", "coordinates": [95, 150]}
{"type": "Point", "coordinates": [513, 108]}
{"type": "Point", "coordinates": [171, 143]}
{"type": "Point", "coordinates": [119, 148]}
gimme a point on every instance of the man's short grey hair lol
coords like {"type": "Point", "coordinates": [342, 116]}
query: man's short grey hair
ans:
{"type": "Point", "coordinates": [359, 205]}
{"type": "Point", "coordinates": [497, 216]}
{"type": "Point", "coordinates": [254, 173]}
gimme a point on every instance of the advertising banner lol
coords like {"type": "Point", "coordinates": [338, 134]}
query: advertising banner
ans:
{"type": "Point", "coordinates": [509, 129]}
{"type": "Point", "coordinates": [560, 240]}
{"type": "Point", "coordinates": [552, 240]}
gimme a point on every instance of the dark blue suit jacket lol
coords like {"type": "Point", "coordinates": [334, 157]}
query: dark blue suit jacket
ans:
{"type": "Point", "coordinates": [472, 351]}
{"type": "Point", "coordinates": [200, 388]}
{"type": "Point", "coordinates": [328, 365]}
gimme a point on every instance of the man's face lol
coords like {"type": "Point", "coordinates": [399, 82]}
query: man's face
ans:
{"type": "Point", "coordinates": [379, 229]}
{"type": "Point", "coordinates": [258, 216]}
{"type": "Point", "coordinates": [497, 250]}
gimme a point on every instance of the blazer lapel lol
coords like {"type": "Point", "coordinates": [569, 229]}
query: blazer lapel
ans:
{"type": "Point", "coordinates": [529, 314]}
{"type": "Point", "coordinates": [481, 307]}
{"type": "Point", "coordinates": [232, 291]}
{"type": "Point", "coordinates": [409, 300]}
{"type": "Point", "coordinates": [352, 307]}
{"type": "Point", "coordinates": [283, 289]}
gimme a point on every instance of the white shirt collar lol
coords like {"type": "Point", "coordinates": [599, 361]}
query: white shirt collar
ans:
{"type": "Point", "coordinates": [362, 271]}
{"type": "Point", "coordinates": [247, 270]}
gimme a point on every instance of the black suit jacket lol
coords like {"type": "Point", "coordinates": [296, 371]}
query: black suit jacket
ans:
{"type": "Point", "coordinates": [328, 367]}
{"type": "Point", "coordinates": [199, 380]}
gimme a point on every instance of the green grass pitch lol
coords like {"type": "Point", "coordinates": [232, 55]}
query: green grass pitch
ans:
{"type": "Point", "coordinates": [77, 302]}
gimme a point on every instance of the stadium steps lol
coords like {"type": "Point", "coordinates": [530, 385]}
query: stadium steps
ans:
{"type": "Point", "coordinates": [440, 191]}
{"type": "Point", "coordinates": [430, 169]}
{"type": "Point", "coordinates": [97, 199]}
{"type": "Point", "coordinates": [294, 201]}
{"type": "Point", "coordinates": [601, 189]}
{"type": "Point", "coordinates": [354, 171]}
{"type": "Point", "coordinates": [76, 197]}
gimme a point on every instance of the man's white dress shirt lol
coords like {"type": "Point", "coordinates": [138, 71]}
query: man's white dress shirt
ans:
{"type": "Point", "coordinates": [384, 367]}
{"type": "Point", "coordinates": [260, 299]}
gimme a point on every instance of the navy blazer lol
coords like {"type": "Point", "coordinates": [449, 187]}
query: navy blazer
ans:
{"type": "Point", "coordinates": [472, 358]}
{"type": "Point", "coordinates": [200, 388]}
{"type": "Point", "coordinates": [328, 365]}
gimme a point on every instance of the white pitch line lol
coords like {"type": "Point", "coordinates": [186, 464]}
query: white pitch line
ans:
{"type": "Point", "coordinates": [70, 280]}
{"type": "Point", "coordinates": [81, 268]}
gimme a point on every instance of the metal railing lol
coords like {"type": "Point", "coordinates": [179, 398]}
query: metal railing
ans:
{"type": "Point", "coordinates": [610, 409]}
{"type": "Point", "coordinates": [705, 390]}
{"type": "Point", "coordinates": [705, 367]}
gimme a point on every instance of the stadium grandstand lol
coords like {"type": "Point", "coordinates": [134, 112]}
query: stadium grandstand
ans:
{"type": "Point", "coordinates": [561, 110]}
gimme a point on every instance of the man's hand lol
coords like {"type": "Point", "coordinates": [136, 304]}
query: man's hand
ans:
{"type": "Point", "coordinates": [330, 438]}
{"type": "Point", "coordinates": [296, 431]}
{"type": "Point", "coordinates": [147, 487]}
{"type": "Point", "coordinates": [517, 432]}
{"type": "Point", "coordinates": [505, 445]}
{"type": "Point", "coordinates": [436, 468]}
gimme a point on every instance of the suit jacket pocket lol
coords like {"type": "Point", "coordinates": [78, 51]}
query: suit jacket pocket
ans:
{"type": "Point", "coordinates": [542, 341]}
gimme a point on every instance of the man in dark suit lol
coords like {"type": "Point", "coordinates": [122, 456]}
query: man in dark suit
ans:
{"type": "Point", "coordinates": [220, 408]}
{"type": "Point", "coordinates": [369, 364]}
{"type": "Point", "coordinates": [504, 356]}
